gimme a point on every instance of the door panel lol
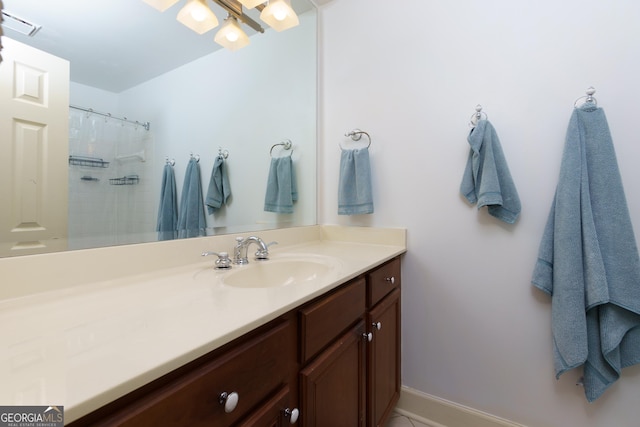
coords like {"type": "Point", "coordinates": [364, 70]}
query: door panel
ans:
{"type": "Point", "coordinates": [34, 108]}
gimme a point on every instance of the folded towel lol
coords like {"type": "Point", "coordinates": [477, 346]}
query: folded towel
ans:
{"type": "Point", "coordinates": [588, 260]}
{"type": "Point", "coordinates": [191, 219]}
{"type": "Point", "coordinates": [486, 178]}
{"type": "Point", "coordinates": [354, 184]}
{"type": "Point", "coordinates": [282, 189]}
{"type": "Point", "coordinates": [219, 189]}
{"type": "Point", "coordinates": [167, 227]}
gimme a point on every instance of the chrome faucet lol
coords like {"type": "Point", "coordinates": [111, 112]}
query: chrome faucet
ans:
{"type": "Point", "coordinates": [241, 249]}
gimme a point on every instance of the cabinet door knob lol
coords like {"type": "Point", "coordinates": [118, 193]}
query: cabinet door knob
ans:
{"type": "Point", "coordinates": [377, 325]}
{"type": "Point", "coordinates": [292, 414]}
{"type": "Point", "coordinates": [229, 400]}
{"type": "Point", "coordinates": [391, 279]}
{"type": "Point", "coordinates": [367, 336]}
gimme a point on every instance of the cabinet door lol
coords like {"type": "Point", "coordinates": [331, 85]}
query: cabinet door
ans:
{"type": "Point", "coordinates": [383, 360]}
{"type": "Point", "coordinates": [272, 413]}
{"type": "Point", "coordinates": [332, 386]}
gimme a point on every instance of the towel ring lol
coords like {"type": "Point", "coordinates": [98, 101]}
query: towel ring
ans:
{"type": "Point", "coordinates": [286, 145]}
{"type": "Point", "coordinates": [356, 135]}
{"type": "Point", "coordinates": [477, 116]}
{"type": "Point", "coordinates": [588, 98]}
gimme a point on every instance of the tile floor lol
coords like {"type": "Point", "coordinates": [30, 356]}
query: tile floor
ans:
{"type": "Point", "coordinates": [398, 420]}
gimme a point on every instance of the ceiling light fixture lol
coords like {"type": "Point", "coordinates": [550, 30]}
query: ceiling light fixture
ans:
{"type": "Point", "coordinates": [230, 35]}
{"type": "Point", "coordinates": [279, 15]}
{"type": "Point", "coordinates": [197, 15]}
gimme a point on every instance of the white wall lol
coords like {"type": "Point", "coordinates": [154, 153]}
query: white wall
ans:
{"type": "Point", "coordinates": [474, 330]}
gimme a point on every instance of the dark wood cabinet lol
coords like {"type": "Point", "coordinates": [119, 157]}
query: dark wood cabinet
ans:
{"type": "Point", "coordinates": [355, 380]}
{"type": "Point", "coordinates": [332, 362]}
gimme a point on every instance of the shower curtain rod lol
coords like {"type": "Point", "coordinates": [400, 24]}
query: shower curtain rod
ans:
{"type": "Point", "coordinates": [145, 125]}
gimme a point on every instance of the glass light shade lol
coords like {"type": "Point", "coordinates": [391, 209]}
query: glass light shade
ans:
{"type": "Point", "coordinates": [250, 4]}
{"type": "Point", "coordinates": [161, 5]}
{"type": "Point", "coordinates": [197, 16]}
{"type": "Point", "coordinates": [231, 35]}
{"type": "Point", "coordinates": [279, 15]}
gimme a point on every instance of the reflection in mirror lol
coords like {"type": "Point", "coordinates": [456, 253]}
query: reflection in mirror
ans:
{"type": "Point", "coordinates": [105, 170]}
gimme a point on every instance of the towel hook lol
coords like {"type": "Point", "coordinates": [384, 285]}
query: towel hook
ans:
{"type": "Point", "coordinates": [588, 98]}
{"type": "Point", "coordinates": [475, 117]}
{"type": "Point", "coordinates": [223, 154]}
{"type": "Point", "coordinates": [171, 162]}
{"type": "Point", "coordinates": [356, 135]}
{"type": "Point", "coordinates": [286, 145]}
{"type": "Point", "coordinates": [197, 157]}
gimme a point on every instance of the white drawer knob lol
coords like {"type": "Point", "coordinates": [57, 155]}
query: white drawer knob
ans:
{"type": "Point", "coordinates": [391, 279]}
{"type": "Point", "coordinates": [229, 400]}
{"type": "Point", "coordinates": [292, 414]}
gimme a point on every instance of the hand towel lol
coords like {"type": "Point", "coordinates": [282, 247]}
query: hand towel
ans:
{"type": "Point", "coordinates": [282, 189]}
{"type": "Point", "coordinates": [588, 259]}
{"type": "Point", "coordinates": [354, 185]}
{"type": "Point", "coordinates": [486, 180]}
{"type": "Point", "coordinates": [191, 219]}
{"type": "Point", "coordinates": [219, 189]}
{"type": "Point", "coordinates": [167, 226]}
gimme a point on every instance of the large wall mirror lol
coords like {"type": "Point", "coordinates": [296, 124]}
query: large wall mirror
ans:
{"type": "Point", "coordinates": [130, 61]}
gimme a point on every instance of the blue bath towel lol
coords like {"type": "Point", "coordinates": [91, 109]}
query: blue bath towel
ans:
{"type": "Point", "coordinates": [588, 260]}
{"type": "Point", "coordinates": [486, 180]}
{"type": "Point", "coordinates": [167, 227]}
{"type": "Point", "coordinates": [282, 189]}
{"type": "Point", "coordinates": [219, 189]}
{"type": "Point", "coordinates": [191, 219]}
{"type": "Point", "coordinates": [354, 185]}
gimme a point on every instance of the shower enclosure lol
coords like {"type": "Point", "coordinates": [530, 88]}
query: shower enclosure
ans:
{"type": "Point", "coordinates": [110, 199]}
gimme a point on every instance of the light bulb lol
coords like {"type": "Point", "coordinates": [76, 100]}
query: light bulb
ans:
{"type": "Point", "coordinates": [199, 15]}
{"type": "Point", "coordinates": [280, 13]}
{"type": "Point", "coordinates": [232, 36]}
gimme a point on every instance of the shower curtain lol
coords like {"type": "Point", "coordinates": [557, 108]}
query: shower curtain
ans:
{"type": "Point", "coordinates": [107, 205]}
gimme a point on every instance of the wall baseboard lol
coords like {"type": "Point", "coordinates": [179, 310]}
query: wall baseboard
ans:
{"type": "Point", "coordinates": [436, 412]}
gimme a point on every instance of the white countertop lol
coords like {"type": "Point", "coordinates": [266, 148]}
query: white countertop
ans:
{"type": "Point", "coordinates": [86, 345]}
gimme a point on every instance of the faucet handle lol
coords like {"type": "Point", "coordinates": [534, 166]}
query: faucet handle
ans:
{"type": "Point", "coordinates": [263, 254]}
{"type": "Point", "coordinates": [223, 260]}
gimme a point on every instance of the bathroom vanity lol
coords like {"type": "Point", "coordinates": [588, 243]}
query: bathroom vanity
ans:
{"type": "Point", "coordinates": [190, 346]}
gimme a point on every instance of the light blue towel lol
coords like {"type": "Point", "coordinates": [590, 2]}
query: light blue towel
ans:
{"type": "Point", "coordinates": [191, 219]}
{"type": "Point", "coordinates": [167, 227]}
{"type": "Point", "coordinates": [354, 185]}
{"type": "Point", "coordinates": [219, 189]}
{"type": "Point", "coordinates": [486, 180]}
{"type": "Point", "coordinates": [588, 260]}
{"type": "Point", "coordinates": [282, 189]}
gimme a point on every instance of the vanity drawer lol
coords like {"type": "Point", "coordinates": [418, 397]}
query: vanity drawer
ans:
{"type": "Point", "coordinates": [322, 321]}
{"type": "Point", "coordinates": [254, 370]}
{"type": "Point", "coordinates": [383, 280]}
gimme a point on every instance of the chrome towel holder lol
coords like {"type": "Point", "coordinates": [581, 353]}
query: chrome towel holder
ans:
{"type": "Point", "coordinates": [475, 117]}
{"type": "Point", "coordinates": [286, 145]}
{"type": "Point", "coordinates": [588, 98]}
{"type": "Point", "coordinates": [356, 135]}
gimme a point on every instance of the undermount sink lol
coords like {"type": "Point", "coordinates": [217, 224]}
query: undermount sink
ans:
{"type": "Point", "coordinates": [279, 271]}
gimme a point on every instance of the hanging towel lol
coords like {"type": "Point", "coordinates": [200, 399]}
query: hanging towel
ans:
{"type": "Point", "coordinates": [219, 189]}
{"type": "Point", "coordinates": [282, 189]}
{"type": "Point", "coordinates": [354, 184]}
{"type": "Point", "coordinates": [486, 180]}
{"type": "Point", "coordinates": [191, 220]}
{"type": "Point", "coordinates": [588, 260]}
{"type": "Point", "coordinates": [167, 227]}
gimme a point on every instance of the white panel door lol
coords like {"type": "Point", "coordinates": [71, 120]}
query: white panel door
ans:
{"type": "Point", "coordinates": [34, 139]}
